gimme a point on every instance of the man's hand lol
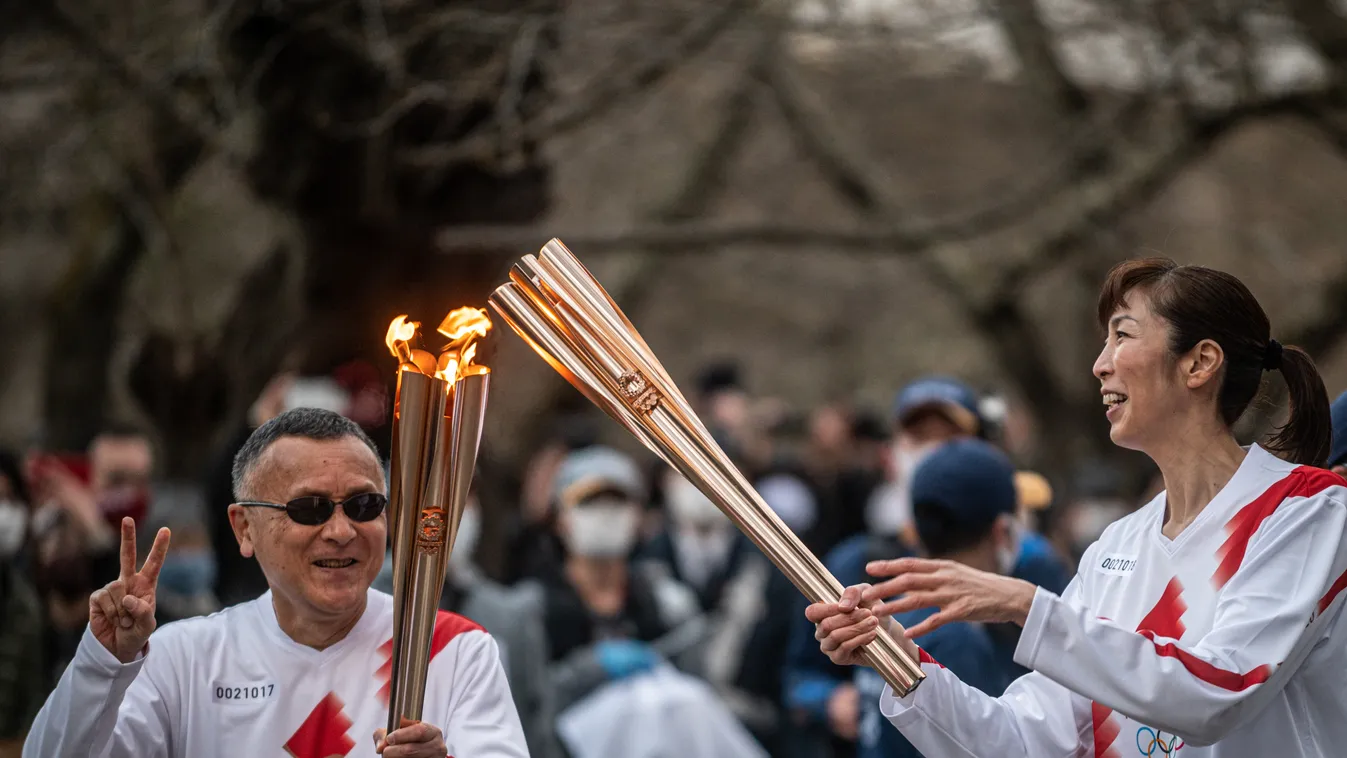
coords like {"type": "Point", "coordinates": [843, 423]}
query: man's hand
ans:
{"type": "Point", "coordinates": [414, 739]}
{"type": "Point", "coordinates": [121, 615]}
{"type": "Point", "coordinates": [844, 711]}
{"type": "Point", "coordinates": [844, 627]}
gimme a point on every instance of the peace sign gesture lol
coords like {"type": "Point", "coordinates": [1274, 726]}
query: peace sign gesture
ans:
{"type": "Point", "coordinates": [121, 615]}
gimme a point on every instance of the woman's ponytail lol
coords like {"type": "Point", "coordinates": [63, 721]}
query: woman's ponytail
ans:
{"type": "Point", "coordinates": [1308, 432]}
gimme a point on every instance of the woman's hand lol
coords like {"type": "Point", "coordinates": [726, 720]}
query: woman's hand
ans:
{"type": "Point", "coordinates": [844, 627]}
{"type": "Point", "coordinates": [961, 592]}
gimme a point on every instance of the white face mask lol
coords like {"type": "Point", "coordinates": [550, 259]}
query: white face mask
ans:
{"type": "Point", "coordinates": [465, 541]}
{"type": "Point", "coordinates": [1008, 555]}
{"type": "Point", "coordinates": [890, 508]}
{"type": "Point", "coordinates": [689, 507]}
{"type": "Point", "coordinates": [702, 554]}
{"type": "Point", "coordinates": [13, 527]}
{"type": "Point", "coordinates": [602, 528]}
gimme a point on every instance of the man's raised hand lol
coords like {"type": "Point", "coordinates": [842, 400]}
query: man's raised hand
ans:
{"type": "Point", "coordinates": [121, 615]}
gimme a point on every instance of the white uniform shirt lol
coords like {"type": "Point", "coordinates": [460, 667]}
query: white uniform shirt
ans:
{"type": "Point", "coordinates": [1227, 642]}
{"type": "Point", "coordinates": [234, 684]}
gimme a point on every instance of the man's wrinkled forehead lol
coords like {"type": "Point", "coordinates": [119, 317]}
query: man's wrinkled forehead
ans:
{"type": "Point", "coordinates": [294, 466]}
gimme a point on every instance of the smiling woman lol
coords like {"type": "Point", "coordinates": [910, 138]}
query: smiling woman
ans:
{"type": "Point", "coordinates": [1208, 623]}
{"type": "Point", "coordinates": [1154, 310]}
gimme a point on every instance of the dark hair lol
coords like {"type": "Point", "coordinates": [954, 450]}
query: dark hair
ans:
{"type": "Point", "coordinates": [943, 530]}
{"type": "Point", "coordinates": [309, 423]}
{"type": "Point", "coordinates": [1202, 303]}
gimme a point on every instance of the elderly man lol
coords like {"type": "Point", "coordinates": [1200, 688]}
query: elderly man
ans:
{"type": "Point", "coordinates": [302, 671]}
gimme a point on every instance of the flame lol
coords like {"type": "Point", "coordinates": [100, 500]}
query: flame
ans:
{"type": "Point", "coordinates": [463, 323]}
{"type": "Point", "coordinates": [463, 327]}
{"type": "Point", "coordinates": [400, 333]}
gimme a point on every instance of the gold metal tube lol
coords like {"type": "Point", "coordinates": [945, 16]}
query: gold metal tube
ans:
{"type": "Point", "coordinates": [418, 519]}
{"type": "Point", "coordinates": [465, 439]}
{"type": "Point", "coordinates": [561, 311]}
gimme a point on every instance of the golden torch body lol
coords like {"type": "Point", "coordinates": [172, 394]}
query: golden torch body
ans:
{"type": "Point", "coordinates": [437, 430]}
{"type": "Point", "coordinates": [564, 314]}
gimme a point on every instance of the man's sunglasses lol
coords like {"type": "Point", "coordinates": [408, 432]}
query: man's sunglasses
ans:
{"type": "Point", "coordinates": [314, 510]}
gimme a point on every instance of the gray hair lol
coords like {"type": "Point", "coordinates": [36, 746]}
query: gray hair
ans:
{"type": "Point", "coordinates": [309, 423]}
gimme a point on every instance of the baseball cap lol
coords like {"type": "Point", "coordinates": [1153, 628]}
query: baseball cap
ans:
{"type": "Point", "coordinates": [587, 472]}
{"type": "Point", "coordinates": [967, 478]}
{"type": "Point", "coordinates": [1338, 452]}
{"type": "Point", "coordinates": [951, 397]}
{"type": "Point", "coordinates": [1033, 491]}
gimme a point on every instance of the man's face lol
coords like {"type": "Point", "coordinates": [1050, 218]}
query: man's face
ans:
{"type": "Point", "coordinates": [119, 464]}
{"type": "Point", "coordinates": [929, 427]}
{"type": "Point", "coordinates": [325, 569]}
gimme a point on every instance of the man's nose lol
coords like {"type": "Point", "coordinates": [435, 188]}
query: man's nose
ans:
{"type": "Point", "coordinates": [339, 528]}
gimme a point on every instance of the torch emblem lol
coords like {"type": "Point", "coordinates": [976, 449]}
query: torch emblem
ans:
{"type": "Point", "coordinates": [637, 391]}
{"type": "Point", "coordinates": [430, 537]}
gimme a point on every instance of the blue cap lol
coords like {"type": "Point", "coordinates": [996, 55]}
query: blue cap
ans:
{"type": "Point", "coordinates": [589, 471]}
{"type": "Point", "coordinates": [953, 398]}
{"type": "Point", "coordinates": [968, 478]}
{"type": "Point", "coordinates": [1338, 452]}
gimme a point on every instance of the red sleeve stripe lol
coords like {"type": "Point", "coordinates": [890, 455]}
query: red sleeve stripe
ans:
{"type": "Point", "coordinates": [1303, 481]}
{"type": "Point", "coordinates": [1218, 677]}
{"type": "Point", "coordinates": [925, 657]}
{"type": "Point", "coordinates": [1332, 594]}
{"type": "Point", "coordinates": [1106, 730]}
{"type": "Point", "coordinates": [447, 627]}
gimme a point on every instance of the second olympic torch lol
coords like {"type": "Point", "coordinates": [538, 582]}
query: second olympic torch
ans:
{"type": "Point", "coordinates": [437, 428]}
{"type": "Point", "coordinates": [562, 311]}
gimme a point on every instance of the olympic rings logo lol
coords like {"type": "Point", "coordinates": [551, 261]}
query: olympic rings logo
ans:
{"type": "Point", "coordinates": [1151, 742]}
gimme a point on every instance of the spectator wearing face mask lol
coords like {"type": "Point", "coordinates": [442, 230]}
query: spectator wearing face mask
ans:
{"type": "Point", "coordinates": [926, 413]}
{"type": "Point", "coordinates": [78, 499]}
{"type": "Point", "coordinates": [964, 504]}
{"type": "Point", "coordinates": [607, 618]}
{"type": "Point", "coordinates": [513, 616]}
{"type": "Point", "coordinates": [22, 677]}
{"type": "Point", "coordinates": [1337, 456]}
{"type": "Point", "coordinates": [822, 696]}
{"type": "Point", "coordinates": [187, 579]}
{"type": "Point", "coordinates": [700, 547]}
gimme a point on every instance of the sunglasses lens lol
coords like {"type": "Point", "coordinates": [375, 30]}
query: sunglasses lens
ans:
{"type": "Point", "coordinates": [309, 511]}
{"type": "Point", "coordinates": [366, 507]}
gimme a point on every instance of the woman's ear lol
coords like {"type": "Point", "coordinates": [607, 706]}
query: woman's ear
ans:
{"type": "Point", "coordinates": [1201, 364]}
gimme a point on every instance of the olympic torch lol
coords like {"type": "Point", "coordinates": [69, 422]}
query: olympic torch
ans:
{"type": "Point", "coordinates": [437, 429]}
{"type": "Point", "coordinates": [565, 315]}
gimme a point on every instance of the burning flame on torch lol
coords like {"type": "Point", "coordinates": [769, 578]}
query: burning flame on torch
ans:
{"type": "Point", "coordinates": [463, 327]}
{"type": "Point", "coordinates": [400, 334]}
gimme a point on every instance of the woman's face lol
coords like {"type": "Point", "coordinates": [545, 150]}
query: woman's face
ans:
{"type": "Point", "coordinates": [1138, 377]}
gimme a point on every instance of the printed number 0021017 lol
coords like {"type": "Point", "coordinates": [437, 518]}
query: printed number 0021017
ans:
{"type": "Point", "coordinates": [244, 693]}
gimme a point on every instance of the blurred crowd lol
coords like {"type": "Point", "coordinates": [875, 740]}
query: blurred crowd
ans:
{"type": "Point", "coordinates": [612, 569]}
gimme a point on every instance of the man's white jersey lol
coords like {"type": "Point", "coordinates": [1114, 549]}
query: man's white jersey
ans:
{"type": "Point", "coordinates": [234, 684]}
{"type": "Point", "coordinates": [1226, 642]}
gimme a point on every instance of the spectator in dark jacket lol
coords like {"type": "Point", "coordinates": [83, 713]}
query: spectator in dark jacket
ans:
{"type": "Point", "coordinates": [964, 509]}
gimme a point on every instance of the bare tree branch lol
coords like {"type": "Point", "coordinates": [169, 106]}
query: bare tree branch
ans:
{"type": "Point", "coordinates": [1036, 50]}
{"type": "Point", "coordinates": [161, 96]}
{"type": "Point", "coordinates": [602, 97]}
